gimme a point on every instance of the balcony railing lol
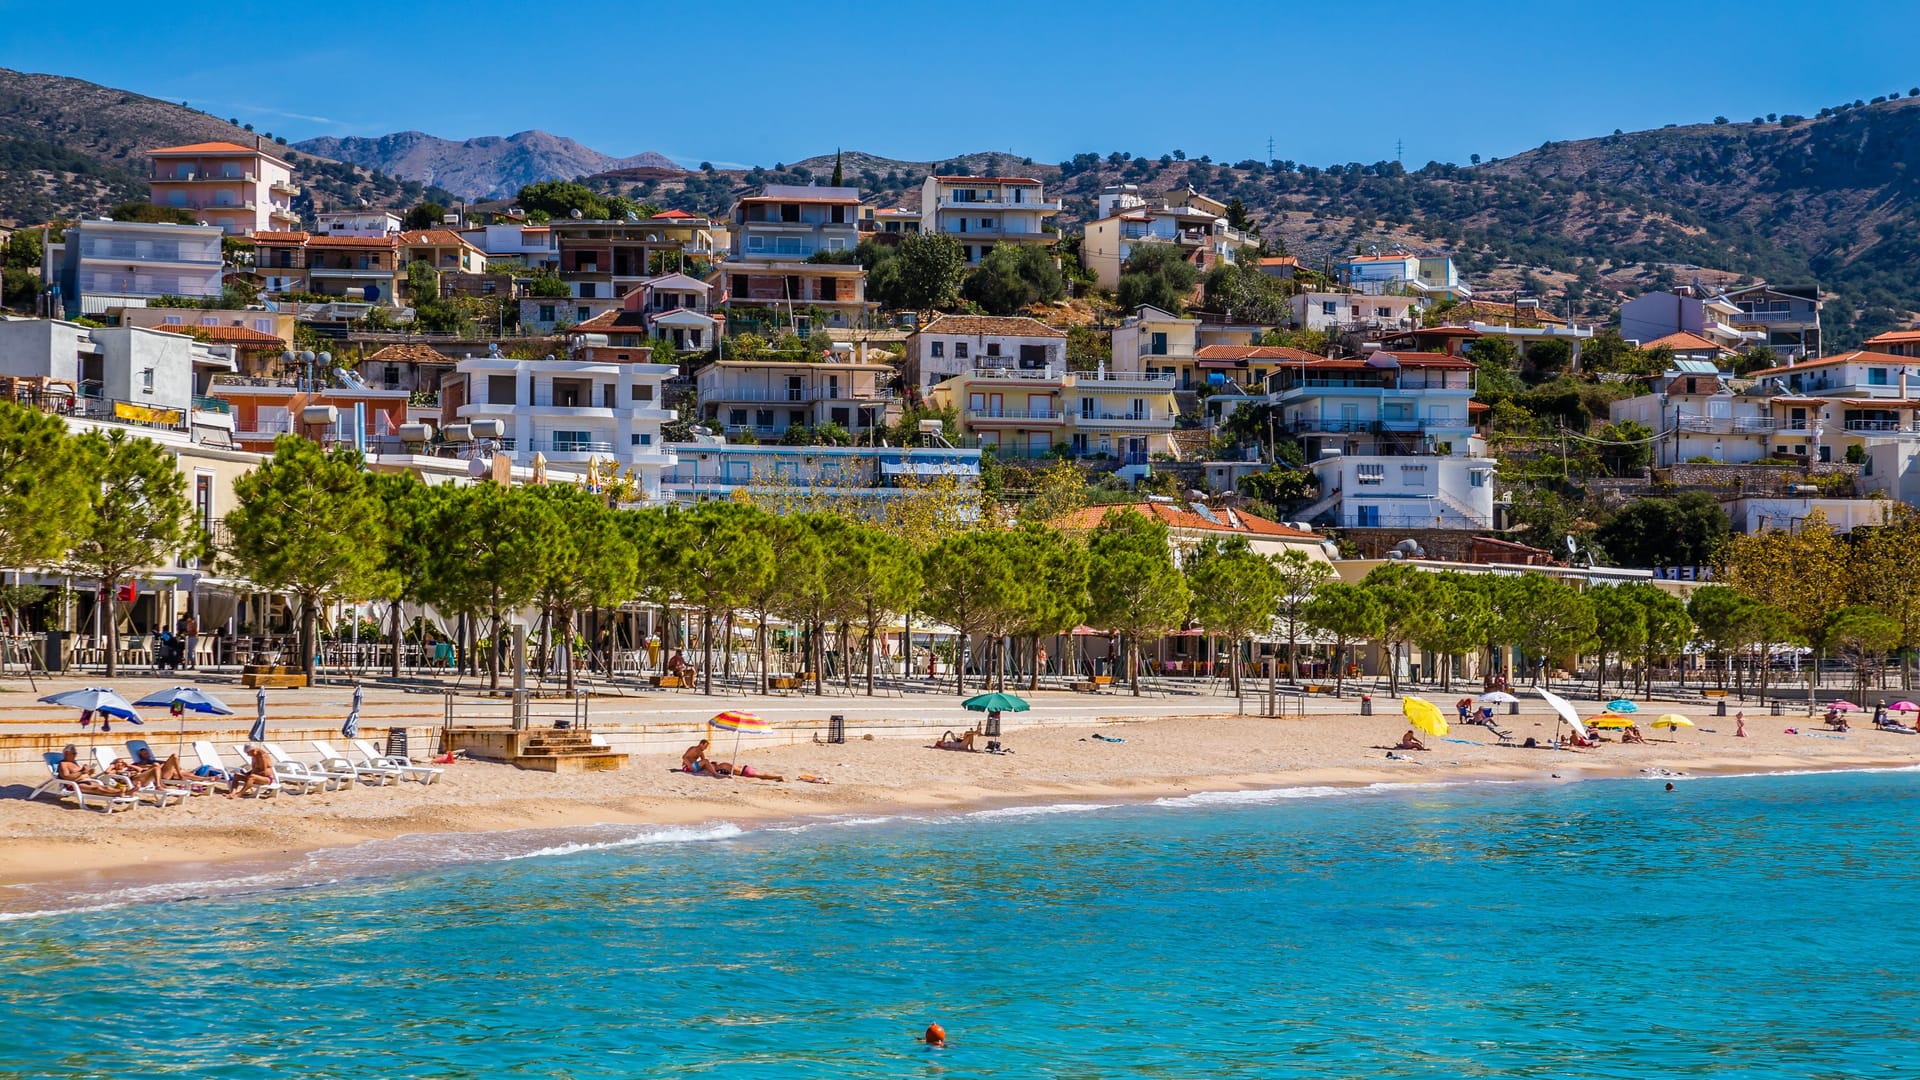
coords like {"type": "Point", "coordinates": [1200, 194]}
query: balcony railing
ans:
{"type": "Point", "coordinates": [1043, 205]}
{"type": "Point", "coordinates": [211, 404]}
{"type": "Point", "coordinates": [1889, 426]}
{"type": "Point", "coordinates": [1015, 414]}
{"type": "Point", "coordinates": [802, 396]}
{"type": "Point", "coordinates": [1729, 425]}
{"type": "Point", "coordinates": [575, 446]}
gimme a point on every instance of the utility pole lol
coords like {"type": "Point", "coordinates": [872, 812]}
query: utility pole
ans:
{"type": "Point", "coordinates": [1269, 150]}
{"type": "Point", "coordinates": [1399, 149]}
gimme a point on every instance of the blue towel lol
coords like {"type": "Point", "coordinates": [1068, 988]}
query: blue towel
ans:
{"type": "Point", "coordinates": [1462, 742]}
{"type": "Point", "coordinates": [1108, 738]}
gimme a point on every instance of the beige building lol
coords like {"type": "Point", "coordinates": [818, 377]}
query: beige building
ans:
{"type": "Point", "coordinates": [765, 398]}
{"type": "Point", "coordinates": [241, 189]}
{"type": "Point", "coordinates": [984, 211]}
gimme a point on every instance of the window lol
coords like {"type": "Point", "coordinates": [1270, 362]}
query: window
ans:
{"type": "Point", "coordinates": [546, 312]}
{"type": "Point", "coordinates": [1157, 345]}
{"type": "Point", "coordinates": [1877, 376]}
{"type": "Point", "coordinates": [1383, 313]}
{"type": "Point", "coordinates": [1477, 478]}
{"type": "Point", "coordinates": [583, 313]}
{"type": "Point", "coordinates": [210, 321]}
{"type": "Point", "coordinates": [763, 418]}
{"type": "Point", "coordinates": [1371, 474]}
{"type": "Point", "coordinates": [1086, 408]}
{"type": "Point", "coordinates": [393, 376]}
{"type": "Point", "coordinates": [642, 439]}
{"type": "Point", "coordinates": [1367, 517]}
{"type": "Point", "coordinates": [986, 223]}
{"type": "Point", "coordinates": [795, 392]}
{"type": "Point", "coordinates": [146, 379]}
{"type": "Point", "coordinates": [643, 391]}
{"type": "Point", "coordinates": [1413, 475]}
{"type": "Point", "coordinates": [1329, 308]}
{"type": "Point", "coordinates": [939, 349]}
{"type": "Point", "coordinates": [959, 350]}
{"type": "Point", "coordinates": [501, 389]}
{"type": "Point", "coordinates": [607, 391]}
{"type": "Point", "coordinates": [264, 326]}
{"type": "Point", "coordinates": [586, 290]}
{"type": "Point", "coordinates": [737, 417]}
{"type": "Point", "coordinates": [564, 441]}
{"type": "Point", "coordinates": [172, 320]}
{"type": "Point", "coordinates": [796, 418]}
{"type": "Point", "coordinates": [993, 349]}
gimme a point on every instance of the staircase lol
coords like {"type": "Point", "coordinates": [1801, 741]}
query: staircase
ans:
{"type": "Point", "coordinates": [567, 751]}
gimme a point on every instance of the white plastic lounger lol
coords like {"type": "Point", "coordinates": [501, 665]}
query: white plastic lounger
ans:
{"type": "Point", "coordinates": [104, 757]}
{"type": "Point", "coordinates": [60, 789]}
{"type": "Point", "coordinates": [426, 774]}
{"type": "Point", "coordinates": [197, 785]}
{"type": "Point", "coordinates": [334, 763]}
{"type": "Point", "coordinates": [210, 757]}
{"type": "Point", "coordinates": [297, 773]}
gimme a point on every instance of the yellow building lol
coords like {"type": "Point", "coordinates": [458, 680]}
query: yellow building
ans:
{"type": "Point", "coordinates": [1093, 415]}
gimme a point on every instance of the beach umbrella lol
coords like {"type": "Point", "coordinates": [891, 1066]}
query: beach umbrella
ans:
{"type": "Point", "coordinates": [1564, 709]}
{"type": "Point", "coordinates": [1845, 706]}
{"type": "Point", "coordinates": [181, 700]}
{"type": "Point", "coordinates": [1498, 697]}
{"type": "Point", "coordinates": [351, 729]}
{"type": "Point", "coordinates": [1424, 715]}
{"type": "Point", "coordinates": [96, 699]}
{"type": "Point", "coordinates": [258, 732]}
{"type": "Point", "coordinates": [1622, 705]}
{"type": "Point", "coordinates": [1904, 706]}
{"type": "Point", "coordinates": [1672, 720]}
{"type": "Point", "coordinates": [995, 702]}
{"type": "Point", "coordinates": [1609, 722]}
{"type": "Point", "coordinates": [737, 722]}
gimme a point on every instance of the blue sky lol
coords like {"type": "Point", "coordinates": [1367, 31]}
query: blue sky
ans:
{"type": "Point", "coordinates": [758, 82]}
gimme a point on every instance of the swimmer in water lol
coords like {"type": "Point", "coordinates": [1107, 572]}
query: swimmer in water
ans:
{"type": "Point", "coordinates": [936, 1036]}
{"type": "Point", "coordinates": [1669, 785]}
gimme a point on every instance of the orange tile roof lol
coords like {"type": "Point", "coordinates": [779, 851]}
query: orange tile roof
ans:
{"type": "Point", "coordinates": [281, 237]}
{"type": "Point", "coordinates": [1232, 522]}
{"type": "Point", "coordinates": [1280, 260]}
{"type": "Point", "coordinates": [670, 214]}
{"type": "Point", "coordinates": [1254, 352]}
{"type": "Point", "coordinates": [352, 241]}
{"type": "Point", "coordinates": [411, 354]}
{"type": "Point", "coordinates": [208, 148]}
{"type": "Point", "coordinates": [1895, 337]}
{"type": "Point", "coordinates": [1682, 341]}
{"type": "Point", "coordinates": [434, 236]}
{"type": "Point", "coordinates": [991, 326]}
{"type": "Point", "coordinates": [612, 319]}
{"type": "Point", "coordinates": [228, 335]}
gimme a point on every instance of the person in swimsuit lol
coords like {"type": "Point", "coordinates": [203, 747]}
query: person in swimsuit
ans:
{"type": "Point", "coordinates": [1740, 725]}
{"type": "Point", "coordinates": [695, 759]}
{"type": "Point", "coordinates": [82, 776]}
{"type": "Point", "coordinates": [950, 741]}
{"type": "Point", "coordinates": [163, 770]}
{"type": "Point", "coordinates": [1632, 735]}
{"type": "Point", "coordinates": [259, 775]}
{"type": "Point", "coordinates": [1410, 742]}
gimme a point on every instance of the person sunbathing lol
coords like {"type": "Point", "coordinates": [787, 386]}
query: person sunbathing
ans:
{"type": "Point", "coordinates": [1632, 735]}
{"type": "Point", "coordinates": [259, 773]}
{"type": "Point", "coordinates": [163, 770]}
{"type": "Point", "coordinates": [1410, 742]}
{"type": "Point", "coordinates": [728, 768]}
{"type": "Point", "coordinates": [82, 776]}
{"type": "Point", "coordinates": [1582, 741]}
{"type": "Point", "coordinates": [695, 758]}
{"type": "Point", "coordinates": [950, 741]}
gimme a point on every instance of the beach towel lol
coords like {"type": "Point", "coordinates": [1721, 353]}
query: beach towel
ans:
{"type": "Point", "coordinates": [1108, 738]}
{"type": "Point", "coordinates": [1462, 742]}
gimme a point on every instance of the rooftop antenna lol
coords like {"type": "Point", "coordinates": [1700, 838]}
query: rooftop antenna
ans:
{"type": "Point", "coordinates": [1399, 148]}
{"type": "Point", "coordinates": [1269, 149]}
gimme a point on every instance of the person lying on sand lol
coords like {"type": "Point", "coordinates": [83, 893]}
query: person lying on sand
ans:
{"type": "Point", "coordinates": [1410, 742]}
{"type": "Point", "coordinates": [1632, 735]}
{"type": "Point", "coordinates": [695, 759]}
{"type": "Point", "coordinates": [259, 774]}
{"type": "Point", "coordinates": [950, 741]}
{"type": "Point", "coordinates": [727, 768]}
{"type": "Point", "coordinates": [1582, 741]}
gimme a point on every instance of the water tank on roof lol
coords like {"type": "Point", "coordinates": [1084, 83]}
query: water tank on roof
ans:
{"type": "Point", "coordinates": [320, 414]}
{"type": "Point", "coordinates": [487, 429]}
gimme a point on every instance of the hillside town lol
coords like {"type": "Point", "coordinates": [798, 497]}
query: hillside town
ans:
{"type": "Point", "coordinates": [961, 364]}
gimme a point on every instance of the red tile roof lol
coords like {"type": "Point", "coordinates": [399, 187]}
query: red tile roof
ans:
{"type": "Point", "coordinates": [1231, 522]}
{"type": "Point", "coordinates": [991, 326]}
{"type": "Point", "coordinates": [411, 354]}
{"type": "Point", "coordinates": [1858, 356]}
{"type": "Point", "coordinates": [280, 237]}
{"type": "Point", "coordinates": [988, 180]}
{"type": "Point", "coordinates": [670, 214]}
{"type": "Point", "coordinates": [1254, 352]}
{"type": "Point", "coordinates": [208, 148]}
{"type": "Point", "coordinates": [352, 241]}
{"type": "Point", "coordinates": [228, 335]}
{"type": "Point", "coordinates": [438, 237]}
{"type": "Point", "coordinates": [1895, 337]}
{"type": "Point", "coordinates": [1280, 260]}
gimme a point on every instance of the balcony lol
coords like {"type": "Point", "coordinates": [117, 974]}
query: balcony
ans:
{"type": "Point", "coordinates": [1123, 380]}
{"type": "Point", "coordinates": [1014, 416]}
{"type": "Point", "coordinates": [1044, 206]}
{"type": "Point", "coordinates": [1882, 427]}
{"type": "Point", "coordinates": [1041, 374]}
{"type": "Point", "coordinates": [1728, 425]}
{"type": "Point", "coordinates": [1128, 420]}
{"type": "Point", "coordinates": [281, 187]}
{"type": "Point", "coordinates": [797, 397]}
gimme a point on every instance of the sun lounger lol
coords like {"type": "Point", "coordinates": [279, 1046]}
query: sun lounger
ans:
{"type": "Point", "coordinates": [334, 762]}
{"type": "Point", "coordinates": [210, 757]}
{"type": "Point", "coordinates": [299, 773]}
{"type": "Point", "coordinates": [195, 786]}
{"type": "Point", "coordinates": [60, 789]}
{"type": "Point", "coordinates": [426, 774]}
{"type": "Point", "coordinates": [157, 794]}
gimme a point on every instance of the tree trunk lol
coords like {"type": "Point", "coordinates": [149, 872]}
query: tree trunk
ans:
{"type": "Point", "coordinates": [846, 655]}
{"type": "Point", "coordinates": [566, 646]}
{"type": "Point", "coordinates": [872, 632]}
{"type": "Point", "coordinates": [493, 645]}
{"type": "Point", "coordinates": [1033, 650]}
{"type": "Point", "coordinates": [1339, 666]}
{"type": "Point", "coordinates": [1293, 653]}
{"type": "Point", "coordinates": [1233, 669]}
{"type": "Point", "coordinates": [726, 648]}
{"type": "Point", "coordinates": [760, 645]}
{"type": "Point", "coordinates": [960, 663]}
{"type": "Point", "coordinates": [819, 657]}
{"type": "Point", "coordinates": [397, 643]}
{"type": "Point", "coordinates": [112, 602]}
{"type": "Point", "coordinates": [1133, 663]}
{"type": "Point", "coordinates": [309, 620]}
{"type": "Point", "coordinates": [544, 653]}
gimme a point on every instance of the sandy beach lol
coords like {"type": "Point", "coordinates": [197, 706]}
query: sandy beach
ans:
{"type": "Point", "coordinates": [1160, 756]}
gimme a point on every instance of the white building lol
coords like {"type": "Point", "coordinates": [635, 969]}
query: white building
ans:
{"type": "Point", "coordinates": [982, 211]}
{"type": "Point", "coordinates": [863, 477]}
{"type": "Point", "coordinates": [1336, 311]}
{"type": "Point", "coordinates": [120, 374]}
{"type": "Point", "coordinates": [374, 223]}
{"type": "Point", "coordinates": [533, 245]}
{"type": "Point", "coordinates": [952, 344]}
{"type": "Point", "coordinates": [1191, 223]}
{"type": "Point", "coordinates": [101, 264]}
{"type": "Point", "coordinates": [570, 411]}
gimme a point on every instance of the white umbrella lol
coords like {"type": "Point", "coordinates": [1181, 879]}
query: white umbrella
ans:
{"type": "Point", "coordinates": [1498, 697]}
{"type": "Point", "coordinates": [1565, 709]}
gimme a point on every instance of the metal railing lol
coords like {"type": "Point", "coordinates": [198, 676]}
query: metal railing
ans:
{"type": "Point", "coordinates": [1729, 425]}
{"type": "Point", "coordinates": [1015, 414]}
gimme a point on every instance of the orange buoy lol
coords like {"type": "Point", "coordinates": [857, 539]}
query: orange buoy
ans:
{"type": "Point", "coordinates": [936, 1035]}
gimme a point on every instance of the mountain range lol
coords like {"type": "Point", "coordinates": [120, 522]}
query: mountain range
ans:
{"type": "Point", "coordinates": [491, 165]}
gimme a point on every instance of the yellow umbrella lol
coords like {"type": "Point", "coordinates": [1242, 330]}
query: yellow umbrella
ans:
{"type": "Point", "coordinates": [1425, 715]}
{"type": "Point", "coordinates": [1672, 720]}
{"type": "Point", "coordinates": [1609, 722]}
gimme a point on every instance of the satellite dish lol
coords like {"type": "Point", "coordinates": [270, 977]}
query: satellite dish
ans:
{"type": "Point", "coordinates": [575, 213]}
{"type": "Point", "coordinates": [1573, 548]}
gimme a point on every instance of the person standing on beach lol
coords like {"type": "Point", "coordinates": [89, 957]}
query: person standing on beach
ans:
{"type": "Point", "coordinates": [1740, 725]}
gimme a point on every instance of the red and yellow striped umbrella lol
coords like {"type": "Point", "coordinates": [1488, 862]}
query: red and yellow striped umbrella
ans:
{"type": "Point", "coordinates": [738, 721]}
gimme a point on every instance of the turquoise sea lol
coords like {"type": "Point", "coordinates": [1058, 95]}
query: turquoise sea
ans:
{"type": "Point", "coordinates": [1736, 927]}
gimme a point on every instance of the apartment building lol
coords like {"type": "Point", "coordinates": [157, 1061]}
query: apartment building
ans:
{"type": "Point", "coordinates": [1895, 343]}
{"type": "Point", "coordinates": [356, 223]}
{"type": "Point", "coordinates": [1788, 316]}
{"type": "Point", "coordinates": [242, 190]}
{"type": "Point", "coordinates": [126, 375]}
{"type": "Point", "coordinates": [984, 211]}
{"type": "Point", "coordinates": [1654, 315]}
{"type": "Point", "coordinates": [1187, 221]}
{"type": "Point", "coordinates": [1033, 413]}
{"type": "Point", "coordinates": [265, 407]}
{"type": "Point", "coordinates": [443, 249]}
{"type": "Point", "coordinates": [952, 344]}
{"type": "Point", "coordinates": [360, 269]}
{"type": "Point", "coordinates": [101, 264]}
{"type": "Point", "coordinates": [864, 478]}
{"type": "Point", "coordinates": [668, 312]}
{"type": "Point", "coordinates": [605, 260]}
{"type": "Point", "coordinates": [571, 412]}
{"type": "Point", "coordinates": [265, 329]}
{"type": "Point", "coordinates": [775, 234]}
{"type": "Point", "coordinates": [1692, 401]}
{"type": "Point", "coordinates": [531, 246]}
{"type": "Point", "coordinates": [1390, 438]}
{"type": "Point", "coordinates": [1159, 342]}
{"type": "Point", "coordinates": [1336, 312]}
{"type": "Point", "coordinates": [765, 398]}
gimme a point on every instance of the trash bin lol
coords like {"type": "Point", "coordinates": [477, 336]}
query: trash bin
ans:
{"type": "Point", "coordinates": [1779, 709]}
{"type": "Point", "coordinates": [58, 654]}
{"type": "Point", "coordinates": [1513, 708]}
{"type": "Point", "coordinates": [1720, 709]}
{"type": "Point", "coordinates": [836, 728]}
{"type": "Point", "coordinates": [1366, 704]}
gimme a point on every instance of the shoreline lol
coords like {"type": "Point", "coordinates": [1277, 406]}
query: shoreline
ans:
{"type": "Point", "coordinates": [60, 873]}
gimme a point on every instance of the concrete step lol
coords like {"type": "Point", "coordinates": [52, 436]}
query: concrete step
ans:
{"type": "Point", "coordinates": [605, 761]}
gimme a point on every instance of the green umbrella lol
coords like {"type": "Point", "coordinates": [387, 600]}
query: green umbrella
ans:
{"type": "Point", "coordinates": [995, 702]}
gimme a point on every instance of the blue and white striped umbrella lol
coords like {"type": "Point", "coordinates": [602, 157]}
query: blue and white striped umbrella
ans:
{"type": "Point", "coordinates": [351, 729]}
{"type": "Point", "coordinates": [96, 699]}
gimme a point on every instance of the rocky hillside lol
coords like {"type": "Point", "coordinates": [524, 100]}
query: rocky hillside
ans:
{"type": "Point", "coordinates": [491, 165]}
{"type": "Point", "coordinates": [69, 147]}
